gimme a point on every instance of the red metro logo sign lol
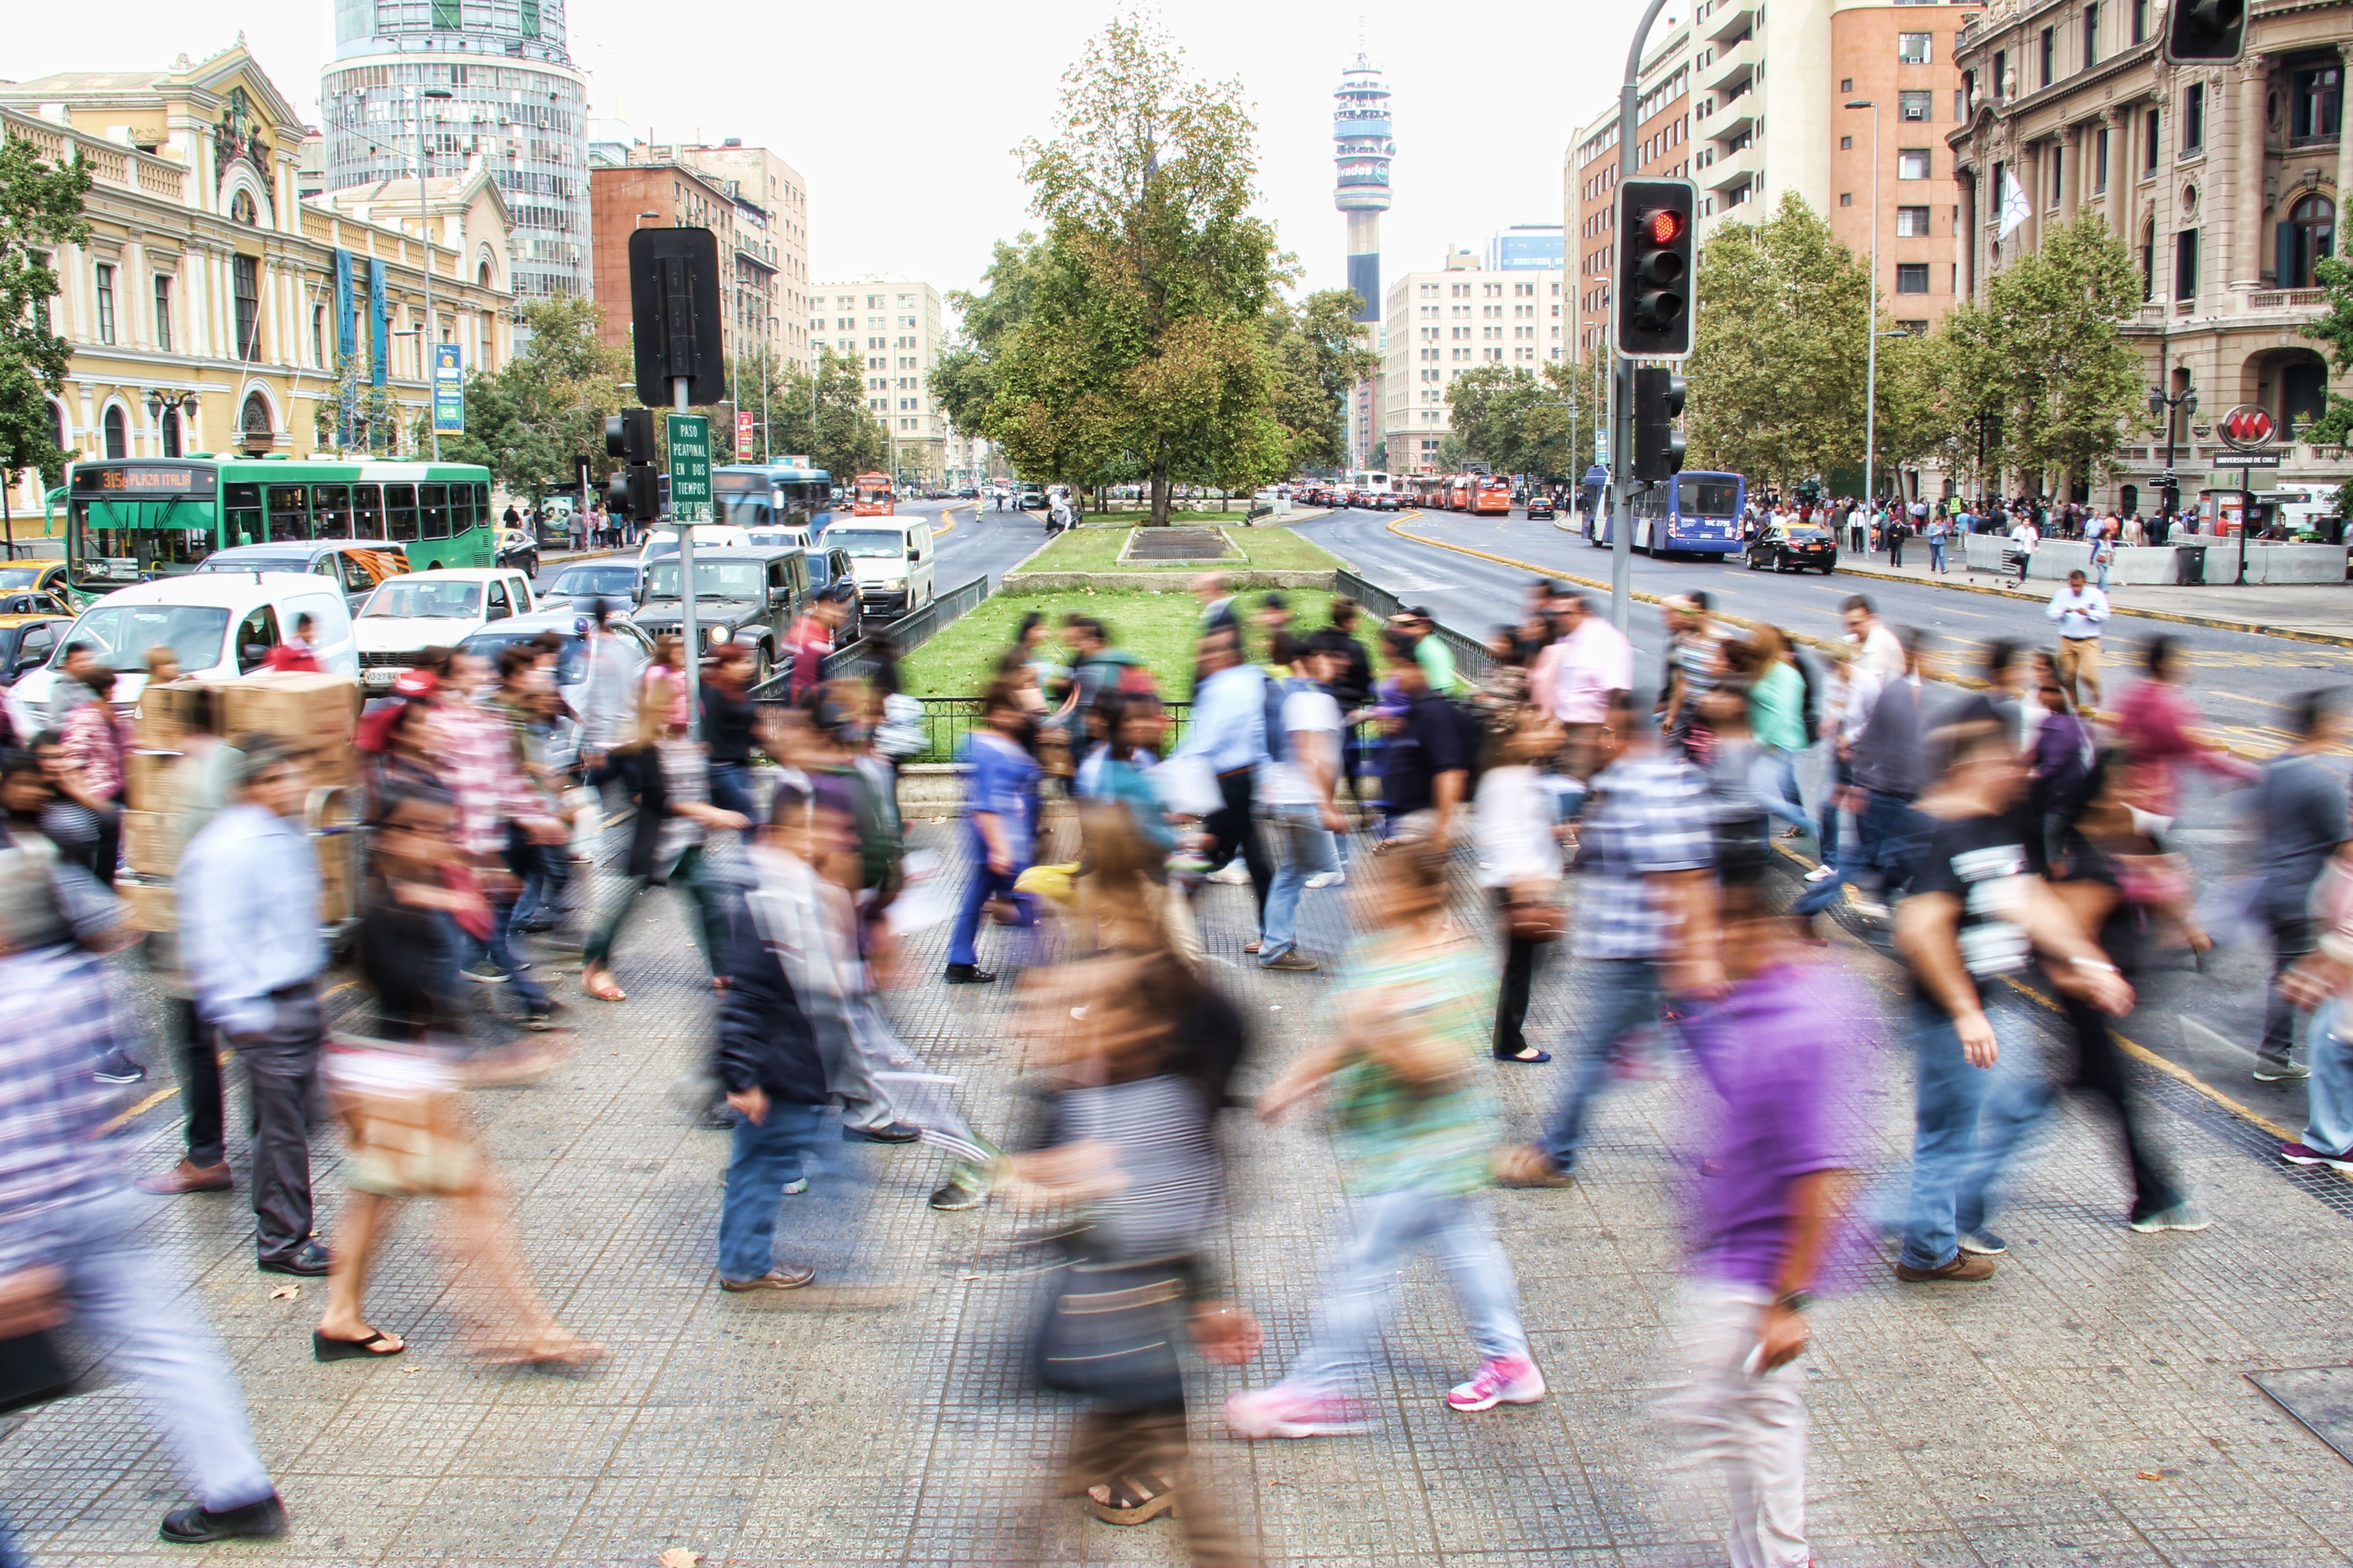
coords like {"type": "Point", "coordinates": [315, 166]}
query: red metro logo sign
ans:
{"type": "Point", "coordinates": [2248, 428]}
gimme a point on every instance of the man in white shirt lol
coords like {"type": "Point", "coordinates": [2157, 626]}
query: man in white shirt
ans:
{"type": "Point", "coordinates": [2080, 611]}
{"type": "Point", "coordinates": [1296, 789]}
{"type": "Point", "coordinates": [1877, 650]}
{"type": "Point", "coordinates": [1576, 676]}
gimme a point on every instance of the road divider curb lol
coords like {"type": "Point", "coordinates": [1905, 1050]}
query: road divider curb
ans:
{"type": "Point", "coordinates": [2213, 623]}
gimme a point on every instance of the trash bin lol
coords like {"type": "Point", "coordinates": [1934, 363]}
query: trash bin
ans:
{"type": "Point", "coordinates": [2190, 565]}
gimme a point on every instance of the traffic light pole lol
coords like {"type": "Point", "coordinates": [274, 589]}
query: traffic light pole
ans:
{"type": "Point", "coordinates": [1622, 400]}
{"type": "Point", "coordinates": [688, 627]}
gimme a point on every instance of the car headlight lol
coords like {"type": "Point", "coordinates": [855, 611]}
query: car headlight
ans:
{"type": "Point", "coordinates": [714, 636]}
{"type": "Point", "coordinates": [895, 584]}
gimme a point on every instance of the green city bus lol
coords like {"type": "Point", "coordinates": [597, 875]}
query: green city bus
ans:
{"type": "Point", "coordinates": [130, 520]}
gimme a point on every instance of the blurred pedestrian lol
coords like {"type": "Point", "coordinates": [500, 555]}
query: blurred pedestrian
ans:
{"type": "Point", "coordinates": [1227, 735]}
{"type": "Point", "coordinates": [2160, 729]}
{"type": "Point", "coordinates": [1517, 822]}
{"type": "Point", "coordinates": [2299, 821]}
{"type": "Point", "coordinates": [1427, 755]}
{"type": "Point", "coordinates": [1296, 787]}
{"type": "Point", "coordinates": [1001, 826]}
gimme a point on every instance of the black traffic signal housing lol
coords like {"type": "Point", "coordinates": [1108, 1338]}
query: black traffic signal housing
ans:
{"type": "Point", "coordinates": [1656, 250]}
{"type": "Point", "coordinates": [675, 309]}
{"type": "Point", "coordinates": [2205, 30]}
{"type": "Point", "coordinates": [634, 491]}
{"type": "Point", "coordinates": [1658, 403]}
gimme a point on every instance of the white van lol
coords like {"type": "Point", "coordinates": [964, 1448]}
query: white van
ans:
{"type": "Point", "coordinates": [221, 623]}
{"type": "Point", "coordinates": [441, 608]}
{"type": "Point", "coordinates": [663, 541]}
{"type": "Point", "coordinates": [894, 559]}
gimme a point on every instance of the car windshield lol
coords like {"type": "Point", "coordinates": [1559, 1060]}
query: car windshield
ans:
{"type": "Point", "coordinates": [713, 580]}
{"type": "Point", "coordinates": [121, 635]}
{"type": "Point", "coordinates": [424, 599]}
{"type": "Point", "coordinates": [597, 580]}
{"type": "Point", "coordinates": [873, 543]}
{"type": "Point", "coordinates": [1807, 534]}
{"type": "Point", "coordinates": [776, 538]}
{"type": "Point", "coordinates": [16, 579]}
{"type": "Point", "coordinates": [224, 561]}
{"type": "Point", "coordinates": [571, 660]}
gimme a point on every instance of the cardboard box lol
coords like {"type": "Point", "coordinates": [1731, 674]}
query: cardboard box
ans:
{"type": "Point", "coordinates": [335, 885]}
{"type": "Point", "coordinates": [306, 711]}
{"type": "Point", "coordinates": [152, 906]}
{"type": "Point", "coordinates": [157, 782]}
{"type": "Point", "coordinates": [166, 715]}
{"type": "Point", "coordinates": [330, 766]}
{"type": "Point", "coordinates": [150, 842]}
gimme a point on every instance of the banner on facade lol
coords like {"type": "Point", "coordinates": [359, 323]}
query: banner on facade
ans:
{"type": "Point", "coordinates": [744, 440]}
{"type": "Point", "coordinates": [449, 391]}
{"type": "Point", "coordinates": [379, 326]}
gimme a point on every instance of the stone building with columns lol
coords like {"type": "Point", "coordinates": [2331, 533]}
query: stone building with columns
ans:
{"type": "Point", "coordinates": [2222, 180]}
{"type": "Point", "coordinates": [211, 307]}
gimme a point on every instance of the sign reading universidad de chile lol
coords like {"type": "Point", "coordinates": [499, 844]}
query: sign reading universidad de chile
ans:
{"type": "Point", "coordinates": [689, 467]}
{"type": "Point", "coordinates": [449, 391]}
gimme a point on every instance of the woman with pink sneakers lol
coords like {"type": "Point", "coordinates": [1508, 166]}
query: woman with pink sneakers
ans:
{"type": "Point", "coordinates": [1409, 1020]}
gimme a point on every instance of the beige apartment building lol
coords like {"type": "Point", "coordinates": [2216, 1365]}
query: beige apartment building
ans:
{"type": "Point", "coordinates": [1438, 324]}
{"type": "Point", "coordinates": [891, 325]}
{"type": "Point", "coordinates": [2223, 181]}
{"type": "Point", "coordinates": [210, 307]}
{"type": "Point", "coordinates": [772, 204]}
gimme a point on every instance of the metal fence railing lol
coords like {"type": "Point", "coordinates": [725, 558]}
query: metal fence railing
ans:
{"type": "Point", "coordinates": [1471, 655]}
{"type": "Point", "coordinates": [908, 633]}
{"type": "Point", "coordinates": [947, 720]}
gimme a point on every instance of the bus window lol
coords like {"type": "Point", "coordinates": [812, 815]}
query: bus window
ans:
{"type": "Point", "coordinates": [1698, 497]}
{"type": "Point", "coordinates": [400, 510]}
{"type": "Point", "coordinates": [367, 511]}
{"type": "Point", "coordinates": [482, 505]}
{"type": "Point", "coordinates": [461, 508]}
{"type": "Point", "coordinates": [290, 514]}
{"type": "Point", "coordinates": [433, 501]}
{"type": "Point", "coordinates": [244, 520]}
{"type": "Point", "coordinates": [330, 511]}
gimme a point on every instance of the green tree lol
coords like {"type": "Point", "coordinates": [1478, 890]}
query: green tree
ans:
{"type": "Point", "coordinates": [532, 418]}
{"type": "Point", "coordinates": [2071, 384]}
{"type": "Point", "coordinates": [2335, 426]}
{"type": "Point", "coordinates": [1517, 420]}
{"type": "Point", "coordinates": [40, 208]}
{"type": "Point", "coordinates": [964, 379]}
{"type": "Point", "coordinates": [1142, 345]}
{"type": "Point", "coordinates": [1317, 356]}
{"type": "Point", "coordinates": [1778, 350]}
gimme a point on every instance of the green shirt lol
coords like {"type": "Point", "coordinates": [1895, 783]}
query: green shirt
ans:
{"type": "Point", "coordinates": [1437, 661]}
{"type": "Point", "coordinates": [1777, 708]}
{"type": "Point", "coordinates": [1395, 1136]}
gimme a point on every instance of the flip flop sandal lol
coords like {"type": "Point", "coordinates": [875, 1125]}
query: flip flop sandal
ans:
{"type": "Point", "coordinates": [325, 1347]}
{"type": "Point", "coordinates": [576, 1354]}
{"type": "Point", "coordinates": [1132, 1499]}
{"type": "Point", "coordinates": [604, 988]}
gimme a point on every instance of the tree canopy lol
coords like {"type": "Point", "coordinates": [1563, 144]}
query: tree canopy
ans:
{"type": "Point", "coordinates": [1316, 355]}
{"type": "Point", "coordinates": [40, 208]}
{"type": "Point", "coordinates": [530, 419]}
{"type": "Point", "coordinates": [1518, 421]}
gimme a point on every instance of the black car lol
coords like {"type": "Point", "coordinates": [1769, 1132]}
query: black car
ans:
{"type": "Point", "coordinates": [518, 549]}
{"type": "Point", "coordinates": [1794, 546]}
{"type": "Point", "coordinates": [740, 595]}
{"type": "Point", "coordinates": [1540, 506]}
{"type": "Point", "coordinates": [828, 568]}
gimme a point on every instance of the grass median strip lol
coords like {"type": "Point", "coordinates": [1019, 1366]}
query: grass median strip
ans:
{"type": "Point", "coordinates": [1097, 549]}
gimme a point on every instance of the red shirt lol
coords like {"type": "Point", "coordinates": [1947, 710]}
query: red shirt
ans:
{"type": "Point", "coordinates": [296, 656]}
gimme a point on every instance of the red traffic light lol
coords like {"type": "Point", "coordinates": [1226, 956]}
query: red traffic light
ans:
{"type": "Point", "coordinates": [1666, 225]}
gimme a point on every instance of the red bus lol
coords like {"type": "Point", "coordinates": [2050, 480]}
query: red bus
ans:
{"type": "Point", "coordinates": [1490, 496]}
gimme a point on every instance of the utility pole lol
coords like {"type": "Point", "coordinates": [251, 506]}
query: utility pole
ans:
{"type": "Point", "coordinates": [1622, 432]}
{"type": "Point", "coordinates": [1871, 324]}
{"type": "Point", "coordinates": [425, 338]}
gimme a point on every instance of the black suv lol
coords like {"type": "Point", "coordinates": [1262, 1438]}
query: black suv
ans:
{"type": "Point", "coordinates": [831, 568]}
{"type": "Point", "coordinates": [741, 594]}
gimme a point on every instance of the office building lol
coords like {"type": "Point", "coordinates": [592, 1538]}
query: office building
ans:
{"type": "Point", "coordinates": [1527, 247]}
{"type": "Point", "coordinates": [1444, 322]}
{"type": "Point", "coordinates": [891, 325]}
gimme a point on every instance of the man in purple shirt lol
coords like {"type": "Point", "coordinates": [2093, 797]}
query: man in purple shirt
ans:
{"type": "Point", "coordinates": [1782, 1052]}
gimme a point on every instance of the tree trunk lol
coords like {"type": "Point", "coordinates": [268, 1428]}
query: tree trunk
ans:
{"type": "Point", "coordinates": [1159, 517]}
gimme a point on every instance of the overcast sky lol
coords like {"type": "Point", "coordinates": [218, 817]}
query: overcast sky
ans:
{"type": "Point", "coordinates": [903, 118]}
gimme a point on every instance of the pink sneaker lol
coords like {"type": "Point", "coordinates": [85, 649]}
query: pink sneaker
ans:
{"type": "Point", "coordinates": [1507, 1380]}
{"type": "Point", "coordinates": [1284, 1411]}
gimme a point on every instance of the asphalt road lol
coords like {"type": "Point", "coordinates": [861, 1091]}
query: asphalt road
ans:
{"type": "Point", "coordinates": [2207, 1023]}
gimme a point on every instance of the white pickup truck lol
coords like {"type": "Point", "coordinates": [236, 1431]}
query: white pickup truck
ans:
{"type": "Point", "coordinates": [408, 615]}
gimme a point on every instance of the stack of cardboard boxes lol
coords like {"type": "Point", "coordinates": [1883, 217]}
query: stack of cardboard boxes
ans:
{"type": "Point", "coordinates": [312, 715]}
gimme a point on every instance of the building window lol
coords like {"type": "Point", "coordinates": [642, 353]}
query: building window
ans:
{"type": "Point", "coordinates": [2152, 143]}
{"type": "Point", "coordinates": [531, 18]}
{"type": "Point", "coordinates": [1913, 326]}
{"type": "Point", "coordinates": [1912, 164]}
{"type": "Point", "coordinates": [2140, 20]}
{"type": "Point", "coordinates": [2148, 262]}
{"type": "Point", "coordinates": [1846, 84]}
{"type": "Point", "coordinates": [1914, 103]}
{"type": "Point", "coordinates": [1911, 223]}
{"type": "Point", "coordinates": [2000, 75]}
{"type": "Point", "coordinates": [2100, 159]}
{"type": "Point", "coordinates": [2308, 237]}
{"type": "Point", "coordinates": [164, 315]}
{"type": "Point", "coordinates": [2185, 265]}
{"type": "Point", "coordinates": [2091, 36]}
{"type": "Point", "coordinates": [117, 438]}
{"type": "Point", "coordinates": [319, 335]}
{"type": "Point", "coordinates": [2058, 175]}
{"type": "Point", "coordinates": [1912, 48]}
{"type": "Point", "coordinates": [2193, 118]}
{"type": "Point", "coordinates": [2315, 101]}
{"type": "Point", "coordinates": [171, 428]}
{"type": "Point", "coordinates": [449, 17]}
{"type": "Point", "coordinates": [1846, 198]}
{"type": "Point", "coordinates": [105, 303]}
{"type": "Point", "coordinates": [241, 209]}
{"type": "Point", "coordinates": [1911, 278]}
{"type": "Point", "coordinates": [245, 273]}
{"type": "Point", "coordinates": [2048, 45]}
{"type": "Point", "coordinates": [1846, 144]}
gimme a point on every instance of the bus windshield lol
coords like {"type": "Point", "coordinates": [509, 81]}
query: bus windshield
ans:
{"type": "Point", "coordinates": [1698, 496]}
{"type": "Point", "coordinates": [120, 635]}
{"type": "Point", "coordinates": [874, 544]}
{"type": "Point", "coordinates": [430, 599]}
{"type": "Point", "coordinates": [123, 541]}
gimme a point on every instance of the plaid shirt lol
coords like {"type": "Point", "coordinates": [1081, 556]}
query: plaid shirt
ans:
{"type": "Point", "coordinates": [62, 1015]}
{"type": "Point", "coordinates": [1647, 815]}
{"type": "Point", "coordinates": [478, 763]}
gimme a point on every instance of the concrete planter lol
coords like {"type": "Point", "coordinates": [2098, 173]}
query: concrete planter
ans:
{"type": "Point", "coordinates": [2141, 563]}
{"type": "Point", "coordinates": [1153, 582]}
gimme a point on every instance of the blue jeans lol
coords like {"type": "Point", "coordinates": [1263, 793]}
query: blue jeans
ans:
{"type": "Point", "coordinates": [1390, 1226]}
{"type": "Point", "coordinates": [1626, 996]}
{"type": "Point", "coordinates": [500, 951]}
{"type": "Point", "coordinates": [731, 788]}
{"type": "Point", "coordinates": [1888, 834]}
{"type": "Point", "coordinates": [2329, 1125]}
{"type": "Point", "coordinates": [1966, 1122]}
{"type": "Point", "coordinates": [760, 1161]}
{"type": "Point", "coordinates": [1774, 781]}
{"type": "Point", "coordinates": [1304, 848]}
{"type": "Point", "coordinates": [1935, 554]}
{"type": "Point", "coordinates": [980, 887]}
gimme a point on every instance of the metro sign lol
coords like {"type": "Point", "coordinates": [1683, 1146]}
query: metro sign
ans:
{"type": "Point", "coordinates": [2249, 427]}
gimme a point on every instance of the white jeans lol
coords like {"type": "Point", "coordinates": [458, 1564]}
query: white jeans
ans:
{"type": "Point", "coordinates": [1752, 1428]}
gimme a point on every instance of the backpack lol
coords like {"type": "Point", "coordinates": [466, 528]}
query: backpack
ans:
{"type": "Point", "coordinates": [1278, 742]}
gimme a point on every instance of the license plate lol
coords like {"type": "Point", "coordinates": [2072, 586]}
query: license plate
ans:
{"type": "Point", "coordinates": [381, 677]}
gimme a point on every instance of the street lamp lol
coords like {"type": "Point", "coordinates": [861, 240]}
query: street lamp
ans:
{"type": "Point", "coordinates": [2172, 405]}
{"type": "Point", "coordinates": [159, 402]}
{"type": "Point", "coordinates": [1871, 323]}
{"type": "Point", "coordinates": [424, 227]}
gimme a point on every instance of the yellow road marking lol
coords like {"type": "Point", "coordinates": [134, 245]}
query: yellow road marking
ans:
{"type": "Point", "coordinates": [145, 1106]}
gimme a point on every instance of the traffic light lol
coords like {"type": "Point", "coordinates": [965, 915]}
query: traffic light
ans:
{"type": "Point", "coordinates": [2205, 30]}
{"type": "Point", "coordinates": [634, 491]}
{"type": "Point", "coordinates": [1653, 283]}
{"type": "Point", "coordinates": [675, 310]}
{"type": "Point", "coordinates": [1658, 445]}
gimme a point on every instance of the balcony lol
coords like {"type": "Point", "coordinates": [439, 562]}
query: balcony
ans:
{"type": "Point", "coordinates": [1739, 119]}
{"type": "Point", "coordinates": [1729, 20]}
{"type": "Point", "coordinates": [1731, 169]}
{"type": "Point", "coordinates": [2287, 299]}
{"type": "Point", "coordinates": [1731, 65]}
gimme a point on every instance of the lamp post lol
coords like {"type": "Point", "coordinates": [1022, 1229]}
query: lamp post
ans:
{"type": "Point", "coordinates": [178, 403]}
{"type": "Point", "coordinates": [1871, 325]}
{"type": "Point", "coordinates": [425, 228]}
{"type": "Point", "coordinates": [2172, 405]}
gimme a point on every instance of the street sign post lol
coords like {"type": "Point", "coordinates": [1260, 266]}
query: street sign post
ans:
{"type": "Point", "coordinates": [448, 390]}
{"type": "Point", "coordinates": [2249, 429]}
{"type": "Point", "coordinates": [2245, 459]}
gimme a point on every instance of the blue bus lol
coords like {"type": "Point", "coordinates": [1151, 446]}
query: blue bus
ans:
{"type": "Point", "coordinates": [771, 495]}
{"type": "Point", "coordinates": [1692, 514]}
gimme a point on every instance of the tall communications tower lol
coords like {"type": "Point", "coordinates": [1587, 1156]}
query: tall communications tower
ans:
{"type": "Point", "coordinates": [1362, 148]}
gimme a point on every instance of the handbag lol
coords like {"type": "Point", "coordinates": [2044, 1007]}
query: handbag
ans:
{"type": "Point", "coordinates": [1111, 1331]}
{"type": "Point", "coordinates": [32, 1371]}
{"type": "Point", "coordinates": [405, 1120]}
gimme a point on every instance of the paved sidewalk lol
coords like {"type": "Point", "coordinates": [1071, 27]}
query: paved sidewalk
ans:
{"type": "Point", "coordinates": [2088, 1407]}
{"type": "Point", "coordinates": [2320, 611]}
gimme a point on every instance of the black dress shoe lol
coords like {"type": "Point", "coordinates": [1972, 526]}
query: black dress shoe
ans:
{"type": "Point", "coordinates": [309, 1260]}
{"type": "Point", "coordinates": [889, 1132]}
{"type": "Point", "coordinates": [969, 975]}
{"type": "Point", "coordinates": [194, 1524]}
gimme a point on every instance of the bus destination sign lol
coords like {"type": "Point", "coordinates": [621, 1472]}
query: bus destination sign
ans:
{"type": "Point", "coordinates": [142, 479]}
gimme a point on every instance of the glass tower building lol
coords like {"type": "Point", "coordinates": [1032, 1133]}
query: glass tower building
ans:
{"type": "Point", "coordinates": [1362, 148]}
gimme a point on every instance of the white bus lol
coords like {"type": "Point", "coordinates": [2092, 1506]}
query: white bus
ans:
{"type": "Point", "coordinates": [1379, 488]}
